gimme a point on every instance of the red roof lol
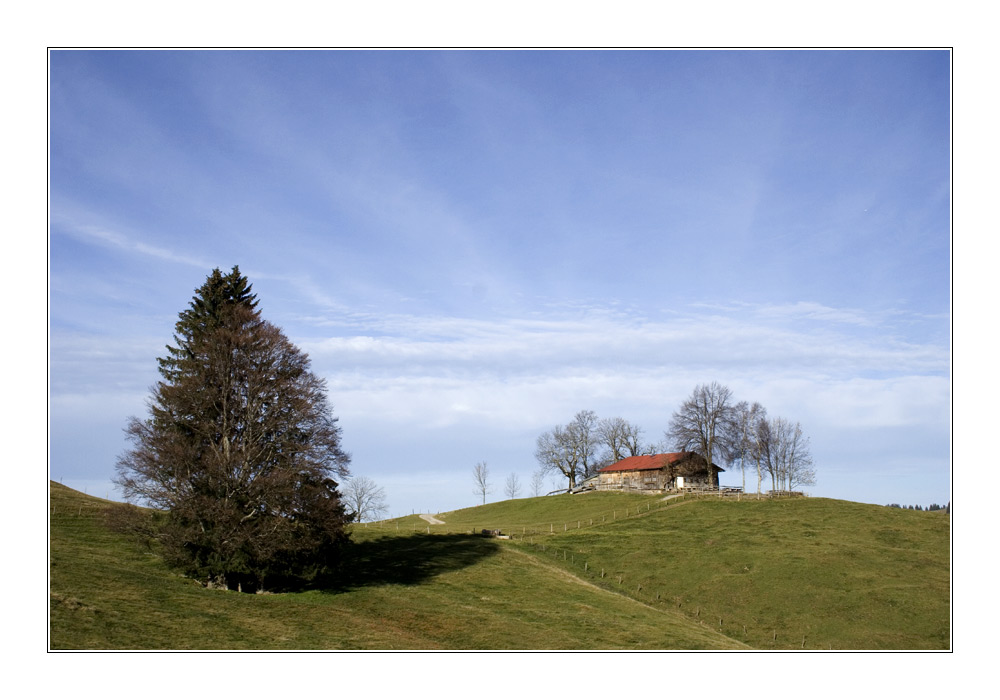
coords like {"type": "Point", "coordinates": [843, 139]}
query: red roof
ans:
{"type": "Point", "coordinates": [643, 462]}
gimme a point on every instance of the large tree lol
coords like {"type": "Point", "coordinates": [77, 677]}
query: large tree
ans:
{"type": "Point", "coordinates": [558, 450]}
{"type": "Point", "coordinates": [703, 424]}
{"type": "Point", "coordinates": [571, 450]}
{"type": "Point", "coordinates": [240, 448]}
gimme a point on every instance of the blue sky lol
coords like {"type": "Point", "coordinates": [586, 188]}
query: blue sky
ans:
{"type": "Point", "coordinates": [474, 246]}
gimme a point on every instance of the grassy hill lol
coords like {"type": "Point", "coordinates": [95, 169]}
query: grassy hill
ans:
{"type": "Point", "coordinates": [786, 574]}
{"type": "Point", "coordinates": [406, 591]}
{"type": "Point", "coordinates": [810, 572]}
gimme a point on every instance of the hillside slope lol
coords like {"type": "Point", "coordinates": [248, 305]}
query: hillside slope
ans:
{"type": "Point", "coordinates": [595, 571]}
{"type": "Point", "coordinates": [787, 574]}
{"type": "Point", "coordinates": [404, 591]}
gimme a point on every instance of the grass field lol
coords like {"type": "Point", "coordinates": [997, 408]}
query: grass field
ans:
{"type": "Point", "coordinates": [785, 574]}
{"type": "Point", "coordinates": [810, 573]}
{"type": "Point", "coordinates": [407, 591]}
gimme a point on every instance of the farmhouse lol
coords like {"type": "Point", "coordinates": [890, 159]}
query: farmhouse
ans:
{"type": "Point", "coordinates": [676, 471]}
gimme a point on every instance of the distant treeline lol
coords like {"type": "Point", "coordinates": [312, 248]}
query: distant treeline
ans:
{"type": "Point", "coordinates": [932, 506]}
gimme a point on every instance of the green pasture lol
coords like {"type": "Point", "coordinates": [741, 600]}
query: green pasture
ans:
{"type": "Point", "coordinates": [402, 591]}
{"type": "Point", "coordinates": [590, 571]}
{"type": "Point", "coordinates": [784, 574]}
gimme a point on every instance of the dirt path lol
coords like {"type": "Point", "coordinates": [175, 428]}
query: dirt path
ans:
{"type": "Point", "coordinates": [431, 519]}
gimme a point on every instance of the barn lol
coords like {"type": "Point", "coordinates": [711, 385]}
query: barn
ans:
{"type": "Point", "coordinates": [674, 471]}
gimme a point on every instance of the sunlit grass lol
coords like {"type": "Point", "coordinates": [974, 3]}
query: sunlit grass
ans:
{"type": "Point", "coordinates": [592, 571]}
{"type": "Point", "coordinates": [788, 574]}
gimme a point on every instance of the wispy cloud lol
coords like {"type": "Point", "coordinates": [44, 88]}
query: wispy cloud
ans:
{"type": "Point", "coordinates": [108, 238]}
{"type": "Point", "coordinates": [748, 340]}
{"type": "Point", "coordinates": [518, 373]}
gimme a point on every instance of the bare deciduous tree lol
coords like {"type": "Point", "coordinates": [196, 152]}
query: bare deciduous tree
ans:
{"type": "Point", "coordinates": [787, 456]}
{"type": "Point", "coordinates": [703, 424]}
{"type": "Point", "coordinates": [481, 476]}
{"type": "Point", "coordinates": [622, 438]}
{"type": "Point", "coordinates": [365, 498]}
{"type": "Point", "coordinates": [538, 483]}
{"type": "Point", "coordinates": [513, 486]}
{"type": "Point", "coordinates": [571, 450]}
{"type": "Point", "coordinates": [557, 451]}
{"type": "Point", "coordinates": [801, 469]}
{"type": "Point", "coordinates": [762, 451]}
{"type": "Point", "coordinates": [583, 430]}
{"type": "Point", "coordinates": [745, 438]}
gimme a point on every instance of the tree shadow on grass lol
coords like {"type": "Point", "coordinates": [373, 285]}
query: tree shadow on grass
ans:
{"type": "Point", "coordinates": [408, 560]}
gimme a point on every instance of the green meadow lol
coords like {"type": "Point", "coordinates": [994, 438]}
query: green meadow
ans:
{"type": "Point", "coordinates": [590, 571]}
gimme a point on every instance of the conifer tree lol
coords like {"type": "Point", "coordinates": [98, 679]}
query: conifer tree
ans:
{"type": "Point", "coordinates": [240, 448]}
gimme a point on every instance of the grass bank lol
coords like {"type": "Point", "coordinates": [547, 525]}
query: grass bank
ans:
{"type": "Point", "coordinates": [403, 591]}
{"type": "Point", "coordinates": [591, 571]}
{"type": "Point", "coordinates": [785, 574]}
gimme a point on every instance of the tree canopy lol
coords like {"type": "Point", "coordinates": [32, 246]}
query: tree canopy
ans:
{"type": "Point", "coordinates": [240, 448]}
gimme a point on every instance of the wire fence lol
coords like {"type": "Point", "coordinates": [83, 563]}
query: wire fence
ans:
{"type": "Point", "coordinates": [652, 593]}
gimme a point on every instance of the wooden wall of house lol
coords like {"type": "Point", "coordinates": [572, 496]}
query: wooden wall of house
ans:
{"type": "Point", "coordinates": [640, 480]}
